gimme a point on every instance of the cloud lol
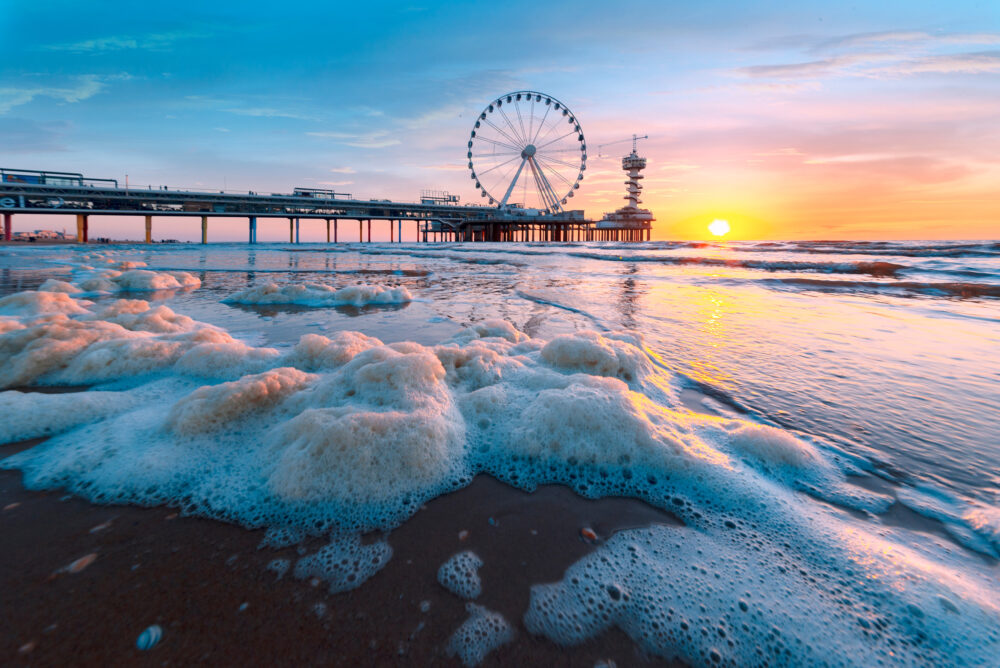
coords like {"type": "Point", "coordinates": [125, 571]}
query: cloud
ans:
{"type": "Point", "coordinates": [895, 53]}
{"type": "Point", "coordinates": [377, 139]}
{"type": "Point", "coordinates": [335, 184]}
{"type": "Point", "coordinates": [149, 42]}
{"type": "Point", "coordinates": [87, 86]}
{"type": "Point", "coordinates": [880, 65]}
{"type": "Point", "coordinates": [342, 170]}
{"type": "Point", "coordinates": [446, 168]}
{"type": "Point", "coordinates": [268, 112]}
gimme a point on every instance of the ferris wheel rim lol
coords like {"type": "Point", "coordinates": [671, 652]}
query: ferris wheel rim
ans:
{"type": "Point", "coordinates": [515, 149]}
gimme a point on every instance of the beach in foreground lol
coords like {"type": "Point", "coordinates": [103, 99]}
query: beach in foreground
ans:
{"type": "Point", "coordinates": [583, 454]}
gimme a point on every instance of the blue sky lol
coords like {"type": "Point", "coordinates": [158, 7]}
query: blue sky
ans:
{"type": "Point", "coordinates": [378, 98]}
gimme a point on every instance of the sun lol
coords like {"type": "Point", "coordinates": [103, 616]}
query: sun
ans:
{"type": "Point", "coordinates": [719, 227]}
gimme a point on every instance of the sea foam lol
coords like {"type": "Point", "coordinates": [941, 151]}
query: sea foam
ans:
{"type": "Point", "coordinates": [346, 434]}
{"type": "Point", "coordinates": [317, 294]}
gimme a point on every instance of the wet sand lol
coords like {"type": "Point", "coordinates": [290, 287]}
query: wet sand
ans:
{"type": "Point", "coordinates": [207, 585]}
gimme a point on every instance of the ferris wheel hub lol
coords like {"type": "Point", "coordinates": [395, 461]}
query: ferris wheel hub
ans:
{"type": "Point", "coordinates": [528, 151]}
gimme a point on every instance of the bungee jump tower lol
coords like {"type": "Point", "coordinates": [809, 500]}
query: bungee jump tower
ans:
{"type": "Point", "coordinates": [629, 223]}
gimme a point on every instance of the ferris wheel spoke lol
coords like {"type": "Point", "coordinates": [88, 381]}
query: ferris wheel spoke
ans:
{"type": "Point", "coordinates": [534, 138]}
{"type": "Point", "coordinates": [514, 142]}
{"type": "Point", "coordinates": [512, 128]}
{"type": "Point", "coordinates": [543, 161]}
{"type": "Point", "coordinates": [520, 121]}
{"type": "Point", "coordinates": [502, 177]}
{"type": "Point", "coordinates": [561, 162]}
{"type": "Point", "coordinates": [556, 139]}
{"type": "Point", "coordinates": [531, 119]}
{"type": "Point", "coordinates": [498, 166]}
{"type": "Point", "coordinates": [510, 188]}
{"type": "Point", "coordinates": [494, 154]}
{"type": "Point", "coordinates": [498, 143]}
{"type": "Point", "coordinates": [548, 195]}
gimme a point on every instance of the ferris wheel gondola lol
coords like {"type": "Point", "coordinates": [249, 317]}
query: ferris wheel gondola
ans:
{"type": "Point", "coordinates": [527, 149]}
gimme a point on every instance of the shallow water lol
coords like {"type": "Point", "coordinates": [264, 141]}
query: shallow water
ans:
{"type": "Point", "coordinates": [884, 354]}
{"type": "Point", "coordinates": [902, 369]}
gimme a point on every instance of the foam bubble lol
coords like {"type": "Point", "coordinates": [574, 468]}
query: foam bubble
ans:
{"type": "Point", "coordinates": [481, 633]}
{"type": "Point", "coordinates": [460, 575]}
{"type": "Point", "coordinates": [345, 563]}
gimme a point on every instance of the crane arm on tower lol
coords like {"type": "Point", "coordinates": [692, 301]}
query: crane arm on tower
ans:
{"type": "Point", "coordinates": [633, 139]}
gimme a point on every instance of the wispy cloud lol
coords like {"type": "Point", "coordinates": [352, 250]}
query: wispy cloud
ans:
{"type": "Point", "coordinates": [377, 139]}
{"type": "Point", "coordinates": [342, 170]}
{"type": "Point", "coordinates": [446, 168]}
{"type": "Point", "coordinates": [85, 86]}
{"type": "Point", "coordinates": [884, 54]}
{"type": "Point", "coordinates": [268, 112]}
{"type": "Point", "coordinates": [159, 41]}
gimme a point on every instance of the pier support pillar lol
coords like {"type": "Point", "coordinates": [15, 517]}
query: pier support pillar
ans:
{"type": "Point", "coordinates": [369, 230]}
{"type": "Point", "coordinates": [253, 229]}
{"type": "Point", "coordinates": [81, 228]}
{"type": "Point", "coordinates": [399, 228]}
{"type": "Point", "coordinates": [297, 230]}
{"type": "Point", "coordinates": [334, 230]}
{"type": "Point", "coordinates": [361, 230]}
{"type": "Point", "coordinates": [8, 222]}
{"type": "Point", "coordinates": [291, 230]}
{"type": "Point", "coordinates": [391, 231]}
{"type": "Point", "coordinates": [204, 229]}
{"type": "Point", "coordinates": [327, 230]}
{"type": "Point", "coordinates": [149, 229]}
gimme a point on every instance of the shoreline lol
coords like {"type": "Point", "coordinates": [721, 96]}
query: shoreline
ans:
{"type": "Point", "coordinates": [193, 575]}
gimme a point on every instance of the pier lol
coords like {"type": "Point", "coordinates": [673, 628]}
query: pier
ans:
{"type": "Point", "coordinates": [68, 194]}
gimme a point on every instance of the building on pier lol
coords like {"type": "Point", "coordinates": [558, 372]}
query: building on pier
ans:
{"type": "Point", "coordinates": [629, 223]}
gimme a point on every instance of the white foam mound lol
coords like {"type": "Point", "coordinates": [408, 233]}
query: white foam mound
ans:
{"type": "Point", "coordinates": [33, 414]}
{"type": "Point", "coordinates": [460, 575]}
{"type": "Point", "coordinates": [136, 280]}
{"type": "Point", "coordinates": [592, 353]}
{"type": "Point", "coordinates": [481, 633]}
{"type": "Point", "coordinates": [213, 407]}
{"type": "Point", "coordinates": [315, 352]}
{"type": "Point", "coordinates": [379, 427]}
{"type": "Point", "coordinates": [316, 294]}
{"type": "Point", "coordinates": [34, 304]}
{"type": "Point", "coordinates": [58, 341]}
{"type": "Point", "coordinates": [345, 563]}
{"type": "Point", "coordinates": [52, 285]}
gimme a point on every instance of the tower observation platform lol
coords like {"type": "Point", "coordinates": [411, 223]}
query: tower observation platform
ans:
{"type": "Point", "coordinates": [629, 223]}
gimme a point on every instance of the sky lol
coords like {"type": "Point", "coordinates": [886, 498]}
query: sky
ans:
{"type": "Point", "coordinates": [804, 120]}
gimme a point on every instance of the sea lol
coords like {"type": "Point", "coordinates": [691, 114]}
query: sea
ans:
{"type": "Point", "coordinates": [822, 417]}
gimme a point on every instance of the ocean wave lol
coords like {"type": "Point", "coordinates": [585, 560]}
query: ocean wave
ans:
{"type": "Point", "coordinates": [876, 268]}
{"type": "Point", "coordinates": [936, 289]}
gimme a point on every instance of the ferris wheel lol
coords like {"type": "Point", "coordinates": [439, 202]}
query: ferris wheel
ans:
{"type": "Point", "coordinates": [527, 150]}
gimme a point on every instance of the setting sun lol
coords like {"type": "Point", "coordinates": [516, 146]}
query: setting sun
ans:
{"type": "Point", "coordinates": [719, 227]}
